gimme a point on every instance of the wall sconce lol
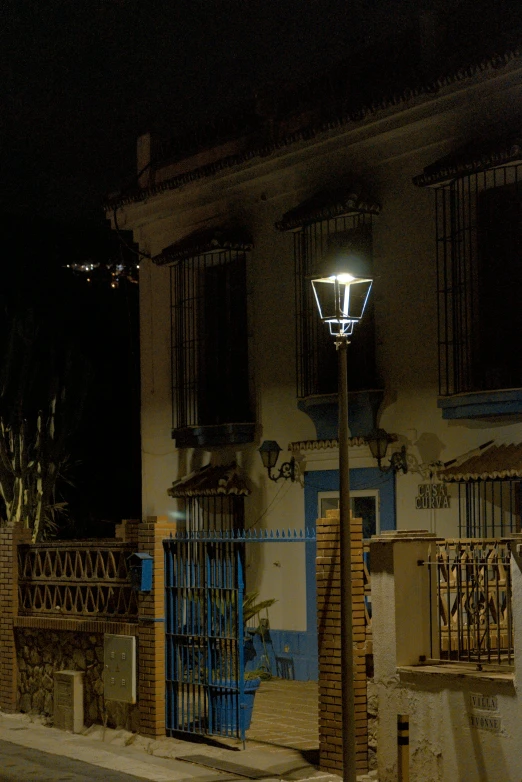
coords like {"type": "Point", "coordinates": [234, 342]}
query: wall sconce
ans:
{"type": "Point", "coordinates": [378, 441]}
{"type": "Point", "coordinates": [270, 451]}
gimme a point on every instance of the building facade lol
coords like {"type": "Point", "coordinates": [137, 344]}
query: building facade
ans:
{"type": "Point", "coordinates": [418, 177]}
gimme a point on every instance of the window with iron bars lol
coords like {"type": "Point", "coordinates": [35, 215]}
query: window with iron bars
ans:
{"type": "Point", "coordinates": [479, 272]}
{"type": "Point", "coordinates": [489, 508]}
{"type": "Point", "coordinates": [316, 357]}
{"type": "Point", "coordinates": [210, 379]}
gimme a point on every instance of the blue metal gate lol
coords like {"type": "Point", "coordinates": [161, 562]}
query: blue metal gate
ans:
{"type": "Point", "coordinates": [206, 692]}
{"type": "Point", "coordinates": [204, 636]}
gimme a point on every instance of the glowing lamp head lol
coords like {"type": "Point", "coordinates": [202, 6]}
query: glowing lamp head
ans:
{"type": "Point", "coordinates": [341, 300]}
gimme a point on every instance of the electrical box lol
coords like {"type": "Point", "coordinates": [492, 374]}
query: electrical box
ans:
{"type": "Point", "coordinates": [119, 670]}
{"type": "Point", "coordinates": [140, 566]}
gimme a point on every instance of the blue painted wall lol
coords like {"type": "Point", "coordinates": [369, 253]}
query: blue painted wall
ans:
{"type": "Point", "coordinates": [293, 654]}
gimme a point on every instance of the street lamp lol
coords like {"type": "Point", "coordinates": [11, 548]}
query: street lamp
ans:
{"type": "Point", "coordinates": [341, 299]}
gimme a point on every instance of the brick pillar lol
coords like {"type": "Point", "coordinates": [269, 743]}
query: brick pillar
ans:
{"type": "Point", "coordinates": [128, 530]}
{"type": "Point", "coordinates": [10, 536]}
{"type": "Point", "coordinates": [151, 676]}
{"type": "Point", "coordinates": [329, 644]}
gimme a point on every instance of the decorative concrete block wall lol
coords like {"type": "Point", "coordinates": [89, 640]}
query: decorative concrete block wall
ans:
{"type": "Point", "coordinates": [329, 644]}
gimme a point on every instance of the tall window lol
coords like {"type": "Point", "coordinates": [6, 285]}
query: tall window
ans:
{"type": "Point", "coordinates": [316, 360]}
{"type": "Point", "coordinates": [210, 378]}
{"type": "Point", "coordinates": [479, 267]}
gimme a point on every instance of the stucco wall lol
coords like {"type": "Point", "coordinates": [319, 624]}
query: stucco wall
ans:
{"type": "Point", "coordinates": [465, 723]}
{"type": "Point", "coordinates": [384, 152]}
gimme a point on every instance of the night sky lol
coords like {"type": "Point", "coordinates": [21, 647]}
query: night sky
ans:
{"type": "Point", "coordinates": [81, 79]}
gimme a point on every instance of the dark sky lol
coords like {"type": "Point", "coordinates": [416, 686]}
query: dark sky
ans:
{"type": "Point", "coordinates": [81, 78]}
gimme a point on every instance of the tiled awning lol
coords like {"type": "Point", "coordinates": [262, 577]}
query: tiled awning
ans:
{"type": "Point", "coordinates": [488, 462]}
{"type": "Point", "coordinates": [208, 240]}
{"type": "Point", "coordinates": [212, 482]}
{"type": "Point", "coordinates": [477, 156]}
{"type": "Point", "coordinates": [327, 205]}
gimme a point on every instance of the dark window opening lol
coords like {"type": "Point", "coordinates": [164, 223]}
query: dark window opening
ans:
{"type": "Point", "coordinates": [479, 268]}
{"type": "Point", "coordinates": [210, 379]}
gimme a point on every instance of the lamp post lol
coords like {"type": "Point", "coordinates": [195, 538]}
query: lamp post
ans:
{"type": "Point", "coordinates": [341, 300]}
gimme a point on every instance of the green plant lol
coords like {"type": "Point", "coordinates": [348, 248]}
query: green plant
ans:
{"type": "Point", "coordinates": [252, 609]}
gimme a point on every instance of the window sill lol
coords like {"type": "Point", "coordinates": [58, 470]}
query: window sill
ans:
{"type": "Point", "coordinates": [481, 404]}
{"type": "Point", "coordinates": [502, 674]}
{"type": "Point", "coordinates": [208, 436]}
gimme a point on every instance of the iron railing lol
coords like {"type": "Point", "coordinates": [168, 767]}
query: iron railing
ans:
{"type": "Point", "coordinates": [474, 600]}
{"type": "Point", "coordinates": [90, 578]}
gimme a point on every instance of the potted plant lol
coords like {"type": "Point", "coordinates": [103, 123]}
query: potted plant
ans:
{"type": "Point", "coordinates": [224, 697]}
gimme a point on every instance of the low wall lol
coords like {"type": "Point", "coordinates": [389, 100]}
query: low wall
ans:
{"type": "Point", "coordinates": [465, 719]}
{"type": "Point", "coordinates": [41, 653]}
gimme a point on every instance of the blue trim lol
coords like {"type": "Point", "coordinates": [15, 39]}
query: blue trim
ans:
{"type": "Point", "coordinates": [481, 404]}
{"type": "Point", "coordinates": [324, 412]}
{"type": "Point", "coordinates": [291, 655]}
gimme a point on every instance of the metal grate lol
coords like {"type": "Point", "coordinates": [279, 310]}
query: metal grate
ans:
{"type": "Point", "coordinates": [204, 636]}
{"type": "Point", "coordinates": [316, 359]}
{"type": "Point", "coordinates": [479, 280]}
{"type": "Point", "coordinates": [489, 508]}
{"type": "Point", "coordinates": [210, 382]}
{"type": "Point", "coordinates": [475, 621]}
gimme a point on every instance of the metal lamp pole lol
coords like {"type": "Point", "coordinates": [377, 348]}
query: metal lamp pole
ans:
{"type": "Point", "coordinates": [341, 299]}
{"type": "Point", "coordinates": [345, 555]}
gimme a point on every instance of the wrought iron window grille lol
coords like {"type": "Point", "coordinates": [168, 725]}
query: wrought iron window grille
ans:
{"type": "Point", "coordinates": [316, 362]}
{"type": "Point", "coordinates": [209, 341]}
{"type": "Point", "coordinates": [479, 280]}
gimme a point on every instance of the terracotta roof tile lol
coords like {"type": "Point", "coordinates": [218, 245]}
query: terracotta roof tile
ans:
{"type": "Point", "coordinates": [489, 462]}
{"type": "Point", "coordinates": [325, 206]}
{"type": "Point", "coordinates": [208, 240]}
{"type": "Point", "coordinates": [212, 482]}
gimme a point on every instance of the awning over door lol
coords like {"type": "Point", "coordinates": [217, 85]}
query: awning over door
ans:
{"type": "Point", "coordinates": [212, 481]}
{"type": "Point", "coordinates": [486, 463]}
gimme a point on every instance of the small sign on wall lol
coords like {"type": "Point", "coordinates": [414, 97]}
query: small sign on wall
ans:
{"type": "Point", "coordinates": [479, 717]}
{"type": "Point", "coordinates": [432, 495]}
{"type": "Point", "coordinates": [485, 722]}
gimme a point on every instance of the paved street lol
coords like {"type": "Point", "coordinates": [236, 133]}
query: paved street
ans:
{"type": "Point", "coordinates": [281, 746]}
{"type": "Point", "coordinates": [23, 764]}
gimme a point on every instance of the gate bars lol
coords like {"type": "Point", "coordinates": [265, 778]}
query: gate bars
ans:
{"type": "Point", "coordinates": [204, 626]}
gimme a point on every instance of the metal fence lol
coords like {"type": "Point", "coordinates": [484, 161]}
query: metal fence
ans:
{"type": "Point", "coordinates": [474, 597]}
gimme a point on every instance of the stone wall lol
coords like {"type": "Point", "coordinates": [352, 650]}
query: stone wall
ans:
{"type": "Point", "coordinates": [42, 652]}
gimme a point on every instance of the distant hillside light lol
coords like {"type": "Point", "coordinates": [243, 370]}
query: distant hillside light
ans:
{"type": "Point", "coordinates": [341, 300]}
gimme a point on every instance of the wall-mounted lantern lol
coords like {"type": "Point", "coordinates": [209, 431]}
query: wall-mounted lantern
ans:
{"type": "Point", "coordinates": [378, 442]}
{"type": "Point", "coordinates": [270, 451]}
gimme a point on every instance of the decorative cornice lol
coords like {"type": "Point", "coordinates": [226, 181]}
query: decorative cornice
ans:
{"type": "Point", "coordinates": [470, 160]}
{"type": "Point", "coordinates": [343, 111]}
{"type": "Point", "coordinates": [323, 445]}
{"type": "Point", "coordinates": [326, 206]}
{"type": "Point", "coordinates": [210, 240]}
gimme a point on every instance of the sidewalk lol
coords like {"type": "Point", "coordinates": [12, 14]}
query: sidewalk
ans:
{"type": "Point", "coordinates": [281, 745]}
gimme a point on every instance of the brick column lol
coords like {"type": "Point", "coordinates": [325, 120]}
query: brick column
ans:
{"type": "Point", "coordinates": [151, 676]}
{"type": "Point", "coordinates": [329, 644]}
{"type": "Point", "coordinates": [10, 536]}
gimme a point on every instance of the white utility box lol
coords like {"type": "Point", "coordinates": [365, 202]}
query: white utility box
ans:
{"type": "Point", "coordinates": [119, 670]}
